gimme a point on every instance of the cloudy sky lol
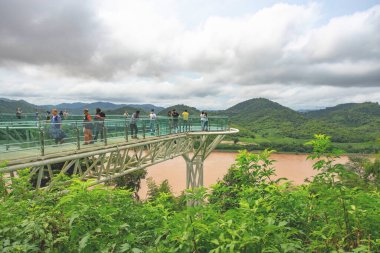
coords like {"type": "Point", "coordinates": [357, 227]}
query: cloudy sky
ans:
{"type": "Point", "coordinates": [205, 53]}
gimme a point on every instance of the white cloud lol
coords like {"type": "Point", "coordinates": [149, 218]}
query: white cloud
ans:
{"type": "Point", "coordinates": [142, 51]}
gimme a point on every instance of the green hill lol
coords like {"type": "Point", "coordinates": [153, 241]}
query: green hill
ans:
{"type": "Point", "coordinates": [180, 108]}
{"type": "Point", "coordinates": [122, 110]}
{"type": "Point", "coordinates": [10, 106]}
{"type": "Point", "coordinates": [352, 115]}
{"type": "Point", "coordinates": [262, 114]}
{"type": "Point", "coordinates": [355, 127]}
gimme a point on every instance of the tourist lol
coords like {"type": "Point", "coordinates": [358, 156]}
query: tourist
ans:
{"type": "Point", "coordinates": [170, 122]}
{"type": "Point", "coordinates": [175, 116]}
{"type": "Point", "coordinates": [65, 114]}
{"type": "Point", "coordinates": [18, 113]}
{"type": "Point", "coordinates": [185, 117]}
{"type": "Point", "coordinates": [99, 124]}
{"type": "Point", "coordinates": [203, 120]}
{"type": "Point", "coordinates": [133, 124]}
{"type": "Point", "coordinates": [61, 114]}
{"type": "Point", "coordinates": [37, 115]}
{"type": "Point", "coordinates": [87, 127]}
{"type": "Point", "coordinates": [47, 116]}
{"type": "Point", "coordinates": [56, 127]}
{"type": "Point", "coordinates": [152, 123]}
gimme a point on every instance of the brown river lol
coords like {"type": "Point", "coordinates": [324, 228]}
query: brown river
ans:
{"type": "Point", "coordinates": [295, 167]}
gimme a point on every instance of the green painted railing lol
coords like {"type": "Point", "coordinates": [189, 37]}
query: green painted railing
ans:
{"type": "Point", "coordinates": [28, 137]}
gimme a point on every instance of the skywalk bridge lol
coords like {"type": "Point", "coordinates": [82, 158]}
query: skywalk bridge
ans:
{"type": "Point", "coordinates": [27, 143]}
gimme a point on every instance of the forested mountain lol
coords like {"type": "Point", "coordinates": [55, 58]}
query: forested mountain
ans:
{"type": "Point", "coordinates": [77, 108]}
{"type": "Point", "coordinates": [129, 109]}
{"type": "Point", "coordinates": [10, 106]}
{"type": "Point", "coordinates": [106, 106]}
{"type": "Point", "coordinates": [147, 107]}
{"type": "Point", "coordinates": [354, 126]}
{"type": "Point", "coordinates": [261, 113]}
{"type": "Point", "coordinates": [348, 114]}
{"type": "Point", "coordinates": [180, 108]}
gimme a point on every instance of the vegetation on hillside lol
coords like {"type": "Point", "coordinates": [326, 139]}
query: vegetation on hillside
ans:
{"type": "Point", "coordinates": [247, 211]}
{"type": "Point", "coordinates": [181, 108]}
{"type": "Point", "coordinates": [354, 126]}
{"type": "Point", "coordinates": [130, 110]}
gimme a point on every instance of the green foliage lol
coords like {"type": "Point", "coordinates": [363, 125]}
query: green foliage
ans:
{"type": "Point", "coordinates": [247, 211]}
{"type": "Point", "coordinates": [155, 190]}
{"type": "Point", "coordinates": [250, 170]}
{"type": "Point", "coordinates": [131, 181]}
{"type": "Point", "coordinates": [366, 169]}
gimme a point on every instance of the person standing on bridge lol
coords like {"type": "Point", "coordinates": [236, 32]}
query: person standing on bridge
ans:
{"type": "Point", "coordinates": [18, 113]}
{"type": "Point", "coordinates": [87, 127]}
{"type": "Point", "coordinates": [203, 120]}
{"type": "Point", "coordinates": [133, 124]}
{"type": "Point", "coordinates": [185, 117]}
{"type": "Point", "coordinates": [152, 122]}
{"type": "Point", "coordinates": [56, 127]}
{"type": "Point", "coordinates": [48, 116]}
{"type": "Point", "coordinates": [175, 116]}
{"type": "Point", "coordinates": [206, 122]}
{"type": "Point", "coordinates": [170, 122]}
{"type": "Point", "coordinates": [65, 114]}
{"type": "Point", "coordinates": [99, 124]}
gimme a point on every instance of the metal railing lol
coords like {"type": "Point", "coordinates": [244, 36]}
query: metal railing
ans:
{"type": "Point", "coordinates": [40, 137]}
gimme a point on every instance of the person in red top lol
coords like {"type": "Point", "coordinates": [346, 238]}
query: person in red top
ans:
{"type": "Point", "coordinates": [87, 127]}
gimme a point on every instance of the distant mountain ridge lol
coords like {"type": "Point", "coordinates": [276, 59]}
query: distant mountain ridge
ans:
{"type": "Point", "coordinates": [10, 106]}
{"type": "Point", "coordinates": [250, 113]}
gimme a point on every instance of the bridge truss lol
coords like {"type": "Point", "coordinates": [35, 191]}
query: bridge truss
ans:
{"type": "Point", "coordinates": [103, 164]}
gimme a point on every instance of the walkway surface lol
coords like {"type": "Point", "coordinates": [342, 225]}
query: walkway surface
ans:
{"type": "Point", "coordinates": [28, 141]}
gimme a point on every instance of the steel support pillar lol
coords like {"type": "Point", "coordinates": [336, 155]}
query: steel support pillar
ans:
{"type": "Point", "coordinates": [194, 172]}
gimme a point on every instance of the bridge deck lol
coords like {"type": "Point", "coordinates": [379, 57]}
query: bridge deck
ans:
{"type": "Point", "coordinates": [26, 142]}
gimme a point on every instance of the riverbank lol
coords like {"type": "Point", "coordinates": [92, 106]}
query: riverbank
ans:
{"type": "Point", "coordinates": [285, 144]}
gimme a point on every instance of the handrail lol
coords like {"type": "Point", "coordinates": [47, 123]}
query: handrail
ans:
{"type": "Point", "coordinates": [41, 138]}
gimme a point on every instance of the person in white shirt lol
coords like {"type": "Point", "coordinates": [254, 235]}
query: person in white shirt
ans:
{"type": "Point", "coordinates": [152, 117]}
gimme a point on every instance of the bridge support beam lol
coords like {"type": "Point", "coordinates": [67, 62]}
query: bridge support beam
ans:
{"type": "Point", "coordinates": [103, 164]}
{"type": "Point", "coordinates": [194, 172]}
{"type": "Point", "coordinates": [194, 164]}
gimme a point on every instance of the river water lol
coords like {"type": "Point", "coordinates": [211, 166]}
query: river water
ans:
{"type": "Point", "coordinates": [295, 167]}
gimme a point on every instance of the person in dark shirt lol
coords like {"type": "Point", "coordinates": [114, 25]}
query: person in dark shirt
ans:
{"type": "Point", "coordinates": [18, 113]}
{"type": "Point", "coordinates": [133, 124]}
{"type": "Point", "coordinates": [99, 124]}
{"type": "Point", "coordinates": [175, 116]}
